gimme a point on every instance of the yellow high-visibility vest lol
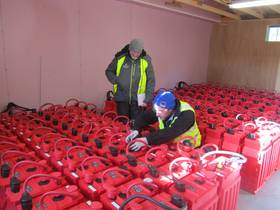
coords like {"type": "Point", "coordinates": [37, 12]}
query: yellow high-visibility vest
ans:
{"type": "Point", "coordinates": [143, 76]}
{"type": "Point", "coordinates": [192, 132]}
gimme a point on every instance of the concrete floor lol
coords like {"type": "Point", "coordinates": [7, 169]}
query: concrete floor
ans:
{"type": "Point", "coordinates": [268, 198]}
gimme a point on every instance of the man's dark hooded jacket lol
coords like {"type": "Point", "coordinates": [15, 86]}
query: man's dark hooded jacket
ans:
{"type": "Point", "coordinates": [128, 79]}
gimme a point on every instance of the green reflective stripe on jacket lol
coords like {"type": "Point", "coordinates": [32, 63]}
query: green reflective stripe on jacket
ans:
{"type": "Point", "coordinates": [143, 75]}
{"type": "Point", "coordinates": [193, 131]}
{"type": "Point", "coordinates": [143, 78]}
{"type": "Point", "coordinates": [118, 71]}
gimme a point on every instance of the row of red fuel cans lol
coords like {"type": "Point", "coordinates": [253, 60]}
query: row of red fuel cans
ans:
{"type": "Point", "coordinates": [193, 186]}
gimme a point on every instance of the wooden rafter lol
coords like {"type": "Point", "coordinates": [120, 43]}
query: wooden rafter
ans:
{"type": "Point", "coordinates": [224, 2]}
{"type": "Point", "coordinates": [226, 20]}
{"type": "Point", "coordinates": [252, 12]}
{"type": "Point", "coordinates": [208, 8]}
{"type": "Point", "coordinates": [173, 3]}
{"type": "Point", "coordinates": [275, 8]}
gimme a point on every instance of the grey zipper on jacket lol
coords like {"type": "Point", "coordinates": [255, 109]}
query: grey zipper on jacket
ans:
{"type": "Point", "coordinates": [131, 79]}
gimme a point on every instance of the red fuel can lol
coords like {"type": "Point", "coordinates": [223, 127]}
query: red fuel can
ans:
{"type": "Point", "coordinates": [23, 169]}
{"type": "Point", "coordinates": [89, 167]}
{"type": "Point", "coordinates": [121, 124]}
{"type": "Point", "coordinates": [36, 137]}
{"type": "Point", "coordinates": [57, 156]}
{"type": "Point", "coordinates": [74, 156]}
{"type": "Point", "coordinates": [60, 199]}
{"type": "Point", "coordinates": [99, 141]}
{"type": "Point", "coordinates": [214, 133]}
{"type": "Point", "coordinates": [172, 201]}
{"type": "Point", "coordinates": [137, 167]}
{"type": "Point", "coordinates": [88, 205]}
{"type": "Point", "coordinates": [198, 191]}
{"type": "Point", "coordinates": [116, 148]}
{"type": "Point", "coordinates": [227, 171]}
{"type": "Point", "coordinates": [6, 145]}
{"type": "Point", "coordinates": [47, 144]}
{"type": "Point", "coordinates": [111, 177]}
{"type": "Point", "coordinates": [165, 175]}
{"type": "Point", "coordinates": [114, 196]}
{"type": "Point", "coordinates": [258, 149]}
{"type": "Point", "coordinates": [34, 186]}
{"type": "Point", "coordinates": [156, 156]}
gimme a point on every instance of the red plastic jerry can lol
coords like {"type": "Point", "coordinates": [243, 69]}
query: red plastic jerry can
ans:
{"type": "Point", "coordinates": [59, 199]}
{"type": "Point", "coordinates": [57, 156]}
{"type": "Point", "coordinates": [172, 201]}
{"type": "Point", "coordinates": [198, 191]}
{"type": "Point", "coordinates": [114, 197]}
{"type": "Point", "coordinates": [34, 186]}
{"type": "Point", "coordinates": [111, 177]}
{"type": "Point", "coordinates": [88, 205]}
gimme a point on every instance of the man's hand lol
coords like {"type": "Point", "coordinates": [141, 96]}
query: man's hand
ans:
{"type": "Point", "coordinates": [136, 146]}
{"type": "Point", "coordinates": [132, 135]}
{"type": "Point", "coordinates": [144, 104]}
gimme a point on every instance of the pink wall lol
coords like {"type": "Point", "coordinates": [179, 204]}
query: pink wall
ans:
{"type": "Point", "coordinates": [52, 50]}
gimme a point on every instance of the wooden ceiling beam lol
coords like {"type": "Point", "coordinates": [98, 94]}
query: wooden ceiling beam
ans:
{"type": "Point", "coordinates": [252, 12]}
{"type": "Point", "coordinates": [224, 2]}
{"type": "Point", "coordinates": [275, 8]}
{"type": "Point", "coordinates": [208, 8]}
{"type": "Point", "coordinates": [173, 3]}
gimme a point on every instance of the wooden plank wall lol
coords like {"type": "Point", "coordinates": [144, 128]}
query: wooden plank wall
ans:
{"type": "Point", "coordinates": [240, 56]}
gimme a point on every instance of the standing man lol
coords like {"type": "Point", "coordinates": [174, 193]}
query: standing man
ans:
{"type": "Point", "coordinates": [131, 72]}
{"type": "Point", "coordinates": [176, 122]}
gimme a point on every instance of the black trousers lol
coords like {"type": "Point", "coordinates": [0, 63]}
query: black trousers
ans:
{"type": "Point", "coordinates": [129, 109]}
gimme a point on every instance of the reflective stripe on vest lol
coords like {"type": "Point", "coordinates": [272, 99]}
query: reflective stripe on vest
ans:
{"type": "Point", "coordinates": [193, 131]}
{"type": "Point", "coordinates": [143, 75]}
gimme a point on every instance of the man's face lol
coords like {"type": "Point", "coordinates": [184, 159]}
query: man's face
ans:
{"type": "Point", "coordinates": [134, 54]}
{"type": "Point", "coordinates": [162, 113]}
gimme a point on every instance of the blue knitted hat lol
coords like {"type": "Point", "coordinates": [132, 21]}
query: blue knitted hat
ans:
{"type": "Point", "coordinates": [165, 99]}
